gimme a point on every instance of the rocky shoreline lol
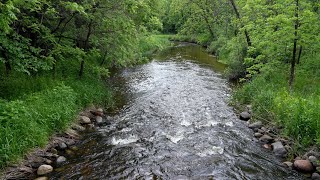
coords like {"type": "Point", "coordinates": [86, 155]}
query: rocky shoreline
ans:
{"type": "Point", "coordinates": [269, 137]}
{"type": "Point", "coordinates": [39, 163]}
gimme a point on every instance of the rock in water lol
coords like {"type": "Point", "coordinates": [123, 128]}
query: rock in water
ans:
{"type": "Point", "coordinates": [245, 116]}
{"type": "Point", "coordinates": [266, 138]}
{"type": "Point", "coordinates": [303, 166]}
{"type": "Point", "coordinates": [315, 176]}
{"type": "Point", "coordinates": [288, 164]}
{"type": "Point", "coordinates": [61, 160]}
{"type": "Point", "coordinates": [44, 169]}
{"type": "Point", "coordinates": [62, 145]}
{"type": "Point", "coordinates": [258, 135]}
{"type": "Point", "coordinates": [256, 125]}
{"type": "Point", "coordinates": [99, 120]}
{"type": "Point", "coordinates": [313, 160]}
{"type": "Point", "coordinates": [278, 149]}
{"type": "Point", "coordinates": [85, 120]}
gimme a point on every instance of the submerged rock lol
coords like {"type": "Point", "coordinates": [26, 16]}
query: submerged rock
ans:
{"type": "Point", "coordinates": [266, 138]}
{"type": "Point", "coordinates": [256, 125]}
{"type": "Point", "coordinates": [304, 166]}
{"type": "Point", "coordinates": [60, 160]}
{"type": "Point", "coordinates": [245, 116]}
{"type": "Point", "coordinates": [278, 149]}
{"type": "Point", "coordinates": [44, 169]}
{"type": "Point", "coordinates": [258, 135]}
{"type": "Point", "coordinates": [313, 160]}
{"type": "Point", "coordinates": [62, 145]}
{"type": "Point", "coordinates": [288, 164]}
{"type": "Point", "coordinates": [99, 120]}
{"type": "Point", "coordinates": [315, 176]}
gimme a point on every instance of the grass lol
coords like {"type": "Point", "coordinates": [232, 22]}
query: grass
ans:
{"type": "Point", "coordinates": [32, 108]}
{"type": "Point", "coordinates": [298, 113]}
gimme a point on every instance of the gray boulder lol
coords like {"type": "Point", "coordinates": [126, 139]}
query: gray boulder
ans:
{"type": "Point", "coordinates": [44, 169]}
{"type": "Point", "coordinates": [278, 149]}
{"type": "Point", "coordinates": [256, 125]}
{"type": "Point", "coordinates": [245, 116]}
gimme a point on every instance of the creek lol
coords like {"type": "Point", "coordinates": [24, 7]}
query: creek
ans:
{"type": "Point", "coordinates": [173, 121]}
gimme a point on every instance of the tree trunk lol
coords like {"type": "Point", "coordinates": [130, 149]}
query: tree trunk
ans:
{"type": "Point", "coordinates": [299, 57]}
{"type": "Point", "coordinates": [81, 69]}
{"type": "Point", "coordinates": [294, 52]}
{"type": "Point", "coordinates": [248, 39]}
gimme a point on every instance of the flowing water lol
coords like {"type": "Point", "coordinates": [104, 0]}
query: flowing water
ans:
{"type": "Point", "coordinates": [173, 122]}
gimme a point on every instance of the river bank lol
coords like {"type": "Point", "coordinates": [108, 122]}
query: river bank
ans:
{"type": "Point", "coordinates": [40, 162]}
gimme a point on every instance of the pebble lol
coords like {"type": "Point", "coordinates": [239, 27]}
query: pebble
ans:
{"type": "Point", "coordinates": [60, 160]}
{"type": "Point", "coordinates": [278, 149]}
{"type": "Point", "coordinates": [44, 169]}
{"type": "Point", "coordinates": [303, 166]}
{"type": "Point", "coordinates": [266, 138]}
{"type": "Point", "coordinates": [267, 146]}
{"type": "Point", "coordinates": [99, 119]}
{"type": "Point", "coordinates": [313, 160]}
{"type": "Point", "coordinates": [288, 164]}
{"type": "Point", "coordinates": [315, 176]}
{"type": "Point", "coordinates": [245, 116]}
{"type": "Point", "coordinates": [85, 120]}
{"type": "Point", "coordinates": [255, 125]}
{"type": "Point", "coordinates": [62, 145]}
{"type": "Point", "coordinates": [258, 135]}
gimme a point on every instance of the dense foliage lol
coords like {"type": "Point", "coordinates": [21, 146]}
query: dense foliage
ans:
{"type": "Point", "coordinates": [270, 46]}
{"type": "Point", "coordinates": [55, 56]}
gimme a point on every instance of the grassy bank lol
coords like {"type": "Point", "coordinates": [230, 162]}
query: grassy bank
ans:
{"type": "Point", "coordinates": [296, 113]}
{"type": "Point", "coordinates": [34, 107]}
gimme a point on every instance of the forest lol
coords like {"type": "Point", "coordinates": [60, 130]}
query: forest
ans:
{"type": "Point", "coordinates": [56, 56]}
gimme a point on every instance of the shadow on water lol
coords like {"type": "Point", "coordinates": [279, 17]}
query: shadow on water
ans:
{"type": "Point", "coordinates": [173, 122]}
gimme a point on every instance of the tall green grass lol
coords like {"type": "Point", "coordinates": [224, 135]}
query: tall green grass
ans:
{"type": "Point", "coordinates": [298, 113]}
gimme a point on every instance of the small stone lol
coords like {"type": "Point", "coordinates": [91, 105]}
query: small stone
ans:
{"type": "Point", "coordinates": [44, 169]}
{"type": "Point", "coordinates": [78, 128]}
{"type": "Point", "coordinates": [288, 164]}
{"type": "Point", "coordinates": [62, 145]}
{"type": "Point", "coordinates": [100, 110]}
{"type": "Point", "coordinates": [261, 131]}
{"type": "Point", "coordinates": [85, 120]}
{"type": "Point", "coordinates": [72, 133]}
{"type": "Point", "coordinates": [278, 149]}
{"type": "Point", "coordinates": [303, 166]}
{"type": "Point", "coordinates": [99, 120]}
{"type": "Point", "coordinates": [315, 176]}
{"type": "Point", "coordinates": [245, 116]}
{"type": "Point", "coordinates": [313, 160]}
{"type": "Point", "coordinates": [318, 169]}
{"type": "Point", "coordinates": [48, 161]}
{"type": "Point", "coordinates": [264, 129]}
{"type": "Point", "coordinates": [266, 138]}
{"type": "Point", "coordinates": [255, 125]}
{"type": "Point", "coordinates": [54, 151]}
{"type": "Point", "coordinates": [267, 146]}
{"type": "Point", "coordinates": [61, 160]}
{"type": "Point", "coordinates": [249, 108]}
{"type": "Point", "coordinates": [42, 178]}
{"type": "Point", "coordinates": [258, 135]}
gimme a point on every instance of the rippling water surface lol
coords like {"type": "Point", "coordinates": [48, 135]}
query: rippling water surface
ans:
{"type": "Point", "coordinates": [174, 122]}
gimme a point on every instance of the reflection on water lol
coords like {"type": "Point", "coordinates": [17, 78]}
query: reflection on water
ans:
{"type": "Point", "coordinates": [174, 123]}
